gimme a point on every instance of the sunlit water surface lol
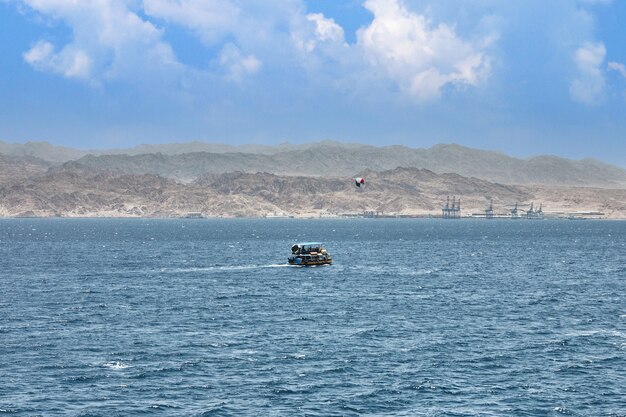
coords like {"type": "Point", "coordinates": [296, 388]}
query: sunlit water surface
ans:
{"type": "Point", "coordinates": [415, 318]}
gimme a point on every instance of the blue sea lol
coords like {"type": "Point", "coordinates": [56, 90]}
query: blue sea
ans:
{"type": "Point", "coordinates": [417, 317]}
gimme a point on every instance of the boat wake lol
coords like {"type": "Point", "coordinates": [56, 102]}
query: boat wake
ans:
{"type": "Point", "coordinates": [220, 268]}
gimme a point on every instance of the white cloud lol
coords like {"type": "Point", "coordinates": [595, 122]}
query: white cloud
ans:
{"type": "Point", "coordinates": [616, 66]}
{"type": "Point", "coordinates": [315, 33]}
{"type": "Point", "coordinates": [109, 41]}
{"type": "Point", "coordinates": [210, 19]}
{"type": "Point", "coordinates": [419, 51]}
{"type": "Point", "coordinates": [588, 86]}
{"type": "Point", "coordinates": [70, 62]}
{"type": "Point", "coordinates": [250, 33]}
{"type": "Point", "coordinates": [417, 55]}
{"type": "Point", "coordinates": [39, 53]}
{"type": "Point", "coordinates": [326, 29]}
{"type": "Point", "coordinates": [238, 65]}
{"type": "Point", "coordinates": [112, 39]}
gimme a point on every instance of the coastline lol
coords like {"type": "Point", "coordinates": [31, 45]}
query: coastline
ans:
{"type": "Point", "coordinates": [308, 217]}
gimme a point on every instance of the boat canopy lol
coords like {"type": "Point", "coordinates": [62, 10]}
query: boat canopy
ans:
{"type": "Point", "coordinates": [310, 244]}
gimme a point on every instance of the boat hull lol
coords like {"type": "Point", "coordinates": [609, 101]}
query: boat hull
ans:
{"type": "Point", "coordinates": [303, 261]}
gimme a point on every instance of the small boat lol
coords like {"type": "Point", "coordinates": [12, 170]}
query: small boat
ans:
{"type": "Point", "coordinates": [309, 254]}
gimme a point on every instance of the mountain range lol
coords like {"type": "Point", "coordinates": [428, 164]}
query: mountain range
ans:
{"type": "Point", "coordinates": [188, 161]}
{"type": "Point", "coordinates": [310, 180]}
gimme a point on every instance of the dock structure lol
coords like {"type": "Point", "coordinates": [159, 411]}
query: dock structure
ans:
{"type": "Point", "coordinates": [581, 215]}
{"type": "Point", "coordinates": [489, 211]}
{"type": "Point", "coordinates": [534, 213]}
{"type": "Point", "coordinates": [194, 215]}
{"type": "Point", "coordinates": [373, 214]}
{"type": "Point", "coordinates": [514, 212]}
{"type": "Point", "coordinates": [451, 210]}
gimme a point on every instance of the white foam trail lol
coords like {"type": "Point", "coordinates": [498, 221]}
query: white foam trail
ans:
{"type": "Point", "coordinates": [220, 268]}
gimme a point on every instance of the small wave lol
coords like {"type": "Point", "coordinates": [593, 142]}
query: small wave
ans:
{"type": "Point", "coordinates": [338, 370]}
{"type": "Point", "coordinates": [418, 272]}
{"type": "Point", "coordinates": [81, 378]}
{"type": "Point", "coordinates": [365, 332]}
{"type": "Point", "coordinates": [617, 333]}
{"type": "Point", "coordinates": [596, 332]}
{"type": "Point", "coordinates": [164, 407]}
{"type": "Point", "coordinates": [116, 365]}
{"type": "Point", "coordinates": [295, 356]}
{"type": "Point", "coordinates": [217, 410]}
{"type": "Point", "coordinates": [574, 368]}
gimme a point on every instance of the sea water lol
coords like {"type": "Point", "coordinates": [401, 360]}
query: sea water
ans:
{"type": "Point", "coordinates": [415, 318]}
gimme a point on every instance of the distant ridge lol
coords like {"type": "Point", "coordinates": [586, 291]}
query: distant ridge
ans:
{"type": "Point", "coordinates": [41, 150]}
{"type": "Point", "coordinates": [55, 153]}
{"type": "Point", "coordinates": [188, 161]}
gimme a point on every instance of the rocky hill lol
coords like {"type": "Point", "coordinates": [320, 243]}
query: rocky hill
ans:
{"type": "Point", "coordinates": [75, 190]}
{"type": "Point", "coordinates": [17, 167]}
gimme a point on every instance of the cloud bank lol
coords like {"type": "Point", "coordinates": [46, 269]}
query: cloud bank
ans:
{"type": "Point", "coordinates": [124, 40]}
{"type": "Point", "coordinates": [405, 48]}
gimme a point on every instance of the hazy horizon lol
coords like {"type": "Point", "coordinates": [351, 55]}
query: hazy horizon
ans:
{"type": "Point", "coordinates": [244, 145]}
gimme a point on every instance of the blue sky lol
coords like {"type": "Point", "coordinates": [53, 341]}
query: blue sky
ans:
{"type": "Point", "coordinates": [523, 77]}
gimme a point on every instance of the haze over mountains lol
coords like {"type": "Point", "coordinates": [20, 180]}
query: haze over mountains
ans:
{"type": "Point", "coordinates": [188, 161]}
{"type": "Point", "coordinates": [39, 179]}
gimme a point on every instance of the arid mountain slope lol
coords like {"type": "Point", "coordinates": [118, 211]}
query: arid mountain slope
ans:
{"type": "Point", "coordinates": [18, 167]}
{"type": "Point", "coordinates": [78, 191]}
